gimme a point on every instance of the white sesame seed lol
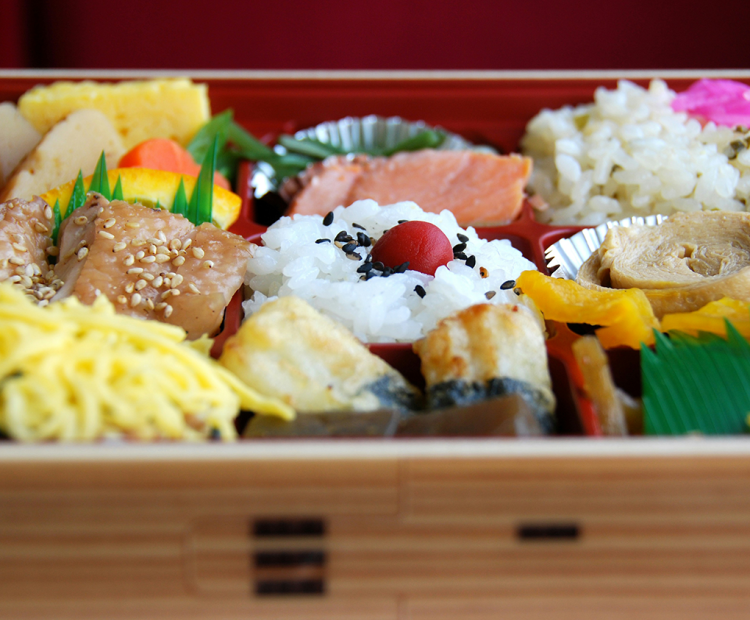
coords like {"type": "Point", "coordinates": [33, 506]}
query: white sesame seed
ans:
{"type": "Point", "coordinates": [29, 270]}
{"type": "Point", "coordinates": [158, 282]}
{"type": "Point", "coordinates": [152, 249]}
{"type": "Point", "coordinates": [180, 260]}
{"type": "Point", "coordinates": [20, 248]}
{"type": "Point", "coordinates": [135, 299]}
{"type": "Point", "coordinates": [47, 211]}
{"type": "Point", "coordinates": [148, 276]}
{"type": "Point", "coordinates": [14, 279]}
{"type": "Point", "coordinates": [83, 244]}
{"type": "Point", "coordinates": [129, 260]}
{"type": "Point", "coordinates": [161, 305]}
{"type": "Point", "coordinates": [166, 293]}
{"type": "Point", "coordinates": [139, 255]}
{"type": "Point", "coordinates": [14, 260]}
{"type": "Point", "coordinates": [148, 259]}
{"type": "Point", "coordinates": [162, 258]}
{"type": "Point", "coordinates": [41, 228]}
{"type": "Point", "coordinates": [141, 284]}
{"type": "Point", "coordinates": [194, 288]}
{"type": "Point", "coordinates": [109, 223]}
{"type": "Point", "coordinates": [168, 311]}
{"type": "Point", "coordinates": [175, 244]}
{"type": "Point", "coordinates": [162, 249]}
{"type": "Point", "coordinates": [198, 253]}
{"type": "Point", "coordinates": [187, 244]}
{"type": "Point", "coordinates": [208, 264]}
{"type": "Point", "coordinates": [43, 303]}
{"type": "Point", "coordinates": [174, 291]}
{"type": "Point", "coordinates": [100, 211]}
{"type": "Point", "coordinates": [121, 245]}
{"type": "Point", "coordinates": [26, 281]}
{"type": "Point", "coordinates": [138, 242]}
{"type": "Point", "coordinates": [132, 225]}
{"type": "Point", "coordinates": [130, 287]}
{"type": "Point", "coordinates": [162, 236]}
{"type": "Point", "coordinates": [177, 279]}
{"type": "Point", "coordinates": [121, 299]}
{"type": "Point", "coordinates": [106, 235]}
{"type": "Point", "coordinates": [53, 250]}
{"type": "Point", "coordinates": [82, 253]}
{"type": "Point", "coordinates": [81, 220]}
{"type": "Point", "coordinates": [155, 241]}
{"type": "Point", "coordinates": [135, 270]}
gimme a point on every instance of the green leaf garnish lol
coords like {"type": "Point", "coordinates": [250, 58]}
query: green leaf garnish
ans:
{"type": "Point", "coordinates": [180, 205]}
{"type": "Point", "coordinates": [217, 127]}
{"type": "Point", "coordinates": [57, 220]}
{"type": "Point", "coordinates": [158, 204]}
{"type": "Point", "coordinates": [696, 383]}
{"type": "Point", "coordinates": [78, 197]}
{"type": "Point", "coordinates": [427, 139]}
{"type": "Point", "coordinates": [117, 191]}
{"type": "Point", "coordinates": [200, 209]}
{"type": "Point", "coordinates": [100, 180]}
{"type": "Point", "coordinates": [309, 147]}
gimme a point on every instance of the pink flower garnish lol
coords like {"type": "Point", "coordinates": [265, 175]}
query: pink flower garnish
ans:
{"type": "Point", "coordinates": [725, 102]}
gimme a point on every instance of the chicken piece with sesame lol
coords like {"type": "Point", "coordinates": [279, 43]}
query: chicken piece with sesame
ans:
{"type": "Point", "coordinates": [151, 263]}
{"type": "Point", "coordinates": [25, 229]}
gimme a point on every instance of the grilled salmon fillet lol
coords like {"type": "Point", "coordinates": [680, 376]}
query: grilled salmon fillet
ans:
{"type": "Point", "coordinates": [485, 351]}
{"type": "Point", "coordinates": [150, 263]}
{"type": "Point", "coordinates": [25, 229]}
{"type": "Point", "coordinates": [481, 189]}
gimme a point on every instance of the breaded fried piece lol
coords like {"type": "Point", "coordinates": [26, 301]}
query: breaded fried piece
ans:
{"type": "Point", "coordinates": [291, 351]}
{"type": "Point", "coordinates": [151, 263]}
{"type": "Point", "coordinates": [483, 351]}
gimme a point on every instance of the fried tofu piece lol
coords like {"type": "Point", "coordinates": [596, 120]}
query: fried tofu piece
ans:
{"type": "Point", "coordinates": [292, 352]}
{"type": "Point", "coordinates": [17, 138]}
{"type": "Point", "coordinates": [151, 263]}
{"type": "Point", "coordinates": [73, 144]}
{"type": "Point", "coordinates": [485, 351]}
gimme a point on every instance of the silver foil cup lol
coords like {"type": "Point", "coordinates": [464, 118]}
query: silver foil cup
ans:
{"type": "Point", "coordinates": [565, 257]}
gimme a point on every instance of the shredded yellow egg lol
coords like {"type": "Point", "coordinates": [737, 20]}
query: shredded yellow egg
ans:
{"type": "Point", "coordinates": [74, 372]}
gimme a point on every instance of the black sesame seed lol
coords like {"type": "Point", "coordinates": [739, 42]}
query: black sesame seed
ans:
{"type": "Point", "coordinates": [215, 434]}
{"type": "Point", "coordinates": [401, 268]}
{"type": "Point", "coordinates": [387, 271]}
{"type": "Point", "coordinates": [355, 225]}
{"type": "Point", "coordinates": [370, 275]}
{"type": "Point", "coordinates": [364, 268]}
{"type": "Point", "coordinates": [517, 291]}
{"type": "Point", "coordinates": [462, 238]}
{"type": "Point", "coordinates": [490, 294]}
{"type": "Point", "coordinates": [353, 256]}
{"type": "Point", "coordinates": [459, 256]}
{"type": "Point", "coordinates": [322, 241]}
{"type": "Point", "coordinates": [420, 291]}
{"type": "Point", "coordinates": [471, 261]}
{"type": "Point", "coordinates": [349, 248]}
{"type": "Point", "coordinates": [378, 265]}
{"type": "Point", "coordinates": [342, 236]}
{"type": "Point", "coordinates": [506, 285]}
{"type": "Point", "coordinates": [363, 240]}
{"type": "Point", "coordinates": [328, 219]}
{"type": "Point", "coordinates": [368, 258]}
{"type": "Point", "coordinates": [402, 221]}
{"type": "Point", "coordinates": [459, 247]}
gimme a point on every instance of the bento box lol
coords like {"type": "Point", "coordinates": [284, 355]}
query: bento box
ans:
{"type": "Point", "coordinates": [577, 525]}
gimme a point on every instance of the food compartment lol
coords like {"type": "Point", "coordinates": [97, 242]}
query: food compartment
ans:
{"type": "Point", "coordinates": [574, 413]}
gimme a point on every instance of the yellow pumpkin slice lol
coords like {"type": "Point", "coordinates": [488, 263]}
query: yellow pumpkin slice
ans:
{"type": "Point", "coordinates": [626, 315]}
{"type": "Point", "coordinates": [710, 318]}
{"type": "Point", "coordinates": [149, 187]}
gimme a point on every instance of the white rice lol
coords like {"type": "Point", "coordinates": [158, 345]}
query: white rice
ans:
{"type": "Point", "coordinates": [629, 154]}
{"type": "Point", "coordinates": [380, 309]}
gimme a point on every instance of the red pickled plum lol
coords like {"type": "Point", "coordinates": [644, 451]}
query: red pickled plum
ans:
{"type": "Point", "coordinates": [423, 245]}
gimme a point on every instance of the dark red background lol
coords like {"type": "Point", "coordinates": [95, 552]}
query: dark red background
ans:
{"type": "Point", "coordinates": [390, 34]}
